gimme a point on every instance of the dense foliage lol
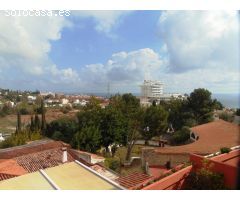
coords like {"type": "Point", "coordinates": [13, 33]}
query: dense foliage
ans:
{"type": "Point", "coordinates": [180, 136]}
{"type": "Point", "coordinates": [238, 112]}
{"type": "Point", "coordinates": [62, 129]}
{"type": "Point", "coordinates": [20, 138]}
{"type": "Point", "coordinates": [204, 179]}
{"type": "Point", "coordinates": [154, 122]}
{"type": "Point", "coordinates": [225, 150]}
{"type": "Point", "coordinates": [226, 116]}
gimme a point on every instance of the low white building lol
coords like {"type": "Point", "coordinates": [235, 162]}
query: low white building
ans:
{"type": "Point", "coordinates": [64, 101]}
{"type": "Point", "coordinates": [1, 137]}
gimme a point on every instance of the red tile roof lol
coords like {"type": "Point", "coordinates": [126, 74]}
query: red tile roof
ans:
{"type": "Point", "coordinates": [212, 136]}
{"type": "Point", "coordinates": [134, 180]}
{"type": "Point", "coordinates": [41, 160]}
{"type": "Point", "coordinates": [32, 147]}
{"type": "Point", "coordinates": [4, 176]}
{"type": "Point", "coordinates": [11, 167]}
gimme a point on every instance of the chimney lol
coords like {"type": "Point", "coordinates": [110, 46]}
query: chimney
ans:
{"type": "Point", "coordinates": [64, 155]}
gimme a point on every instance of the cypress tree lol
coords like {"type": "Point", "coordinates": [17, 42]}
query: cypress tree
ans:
{"type": "Point", "coordinates": [43, 111]}
{"type": "Point", "coordinates": [19, 124]}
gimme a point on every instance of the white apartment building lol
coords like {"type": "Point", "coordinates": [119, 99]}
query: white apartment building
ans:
{"type": "Point", "coordinates": [152, 89]}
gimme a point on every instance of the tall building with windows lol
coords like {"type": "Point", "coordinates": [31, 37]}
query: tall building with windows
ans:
{"type": "Point", "coordinates": [151, 89]}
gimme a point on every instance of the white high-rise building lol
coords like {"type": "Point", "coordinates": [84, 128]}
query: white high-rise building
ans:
{"type": "Point", "coordinates": [151, 89]}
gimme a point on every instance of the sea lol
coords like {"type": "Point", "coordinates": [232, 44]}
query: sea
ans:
{"type": "Point", "coordinates": [228, 100]}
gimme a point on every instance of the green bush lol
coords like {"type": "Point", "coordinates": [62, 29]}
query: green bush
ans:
{"type": "Point", "coordinates": [112, 163]}
{"type": "Point", "coordinates": [180, 136]}
{"type": "Point", "coordinates": [238, 112]}
{"type": "Point", "coordinates": [204, 179]}
{"type": "Point", "coordinates": [225, 150]}
{"type": "Point", "coordinates": [226, 116]}
{"type": "Point", "coordinates": [20, 139]}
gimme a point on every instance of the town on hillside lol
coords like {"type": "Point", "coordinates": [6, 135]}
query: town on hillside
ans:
{"type": "Point", "coordinates": [153, 141]}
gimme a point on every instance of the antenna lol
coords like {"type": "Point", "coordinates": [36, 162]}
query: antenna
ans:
{"type": "Point", "coordinates": [108, 90]}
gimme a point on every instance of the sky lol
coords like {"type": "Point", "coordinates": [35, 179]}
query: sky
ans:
{"type": "Point", "coordinates": [89, 50]}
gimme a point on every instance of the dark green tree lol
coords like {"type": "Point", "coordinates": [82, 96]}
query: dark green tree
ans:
{"type": "Point", "coordinates": [88, 139]}
{"type": "Point", "coordinates": [19, 123]}
{"type": "Point", "coordinates": [154, 122]}
{"type": "Point", "coordinates": [43, 112]}
{"type": "Point", "coordinates": [37, 123]}
{"type": "Point", "coordinates": [130, 108]}
{"type": "Point", "coordinates": [112, 127]}
{"type": "Point", "coordinates": [65, 125]}
{"type": "Point", "coordinates": [201, 105]}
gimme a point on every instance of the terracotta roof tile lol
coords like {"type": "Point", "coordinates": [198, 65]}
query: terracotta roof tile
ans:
{"type": "Point", "coordinates": [212, 136]}
{"type": "Point", "coordinates": [4, 176]}
{"type": "Point", "coordinates": [10, 166]}
{"type": "Point", "coordinates": [41, 160]}
{"type": "Point", "coordinates": [133, 180]}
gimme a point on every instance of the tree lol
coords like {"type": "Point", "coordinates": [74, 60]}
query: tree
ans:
{"type": "Point", "coordinates": [134, 130]}
{"type": "Point", "coordinates": [217, 105]}
{"type": "Point", "coordinates": [88, 139]}
{"type": "Point", "coordinates": [179, 113]}
{"type": "Point", "coordinates": [19, 123]}
{"type": "Point", "coordinates": [201, 105]}
{"type": "Point", "coordinates": [180, 136]}
{"type": "Point", "coordinates": [238, 112]}
{"type": "Point", "coordinates": [112, 126]}
{"type": "Point", "coordinates": [154, 122]}
{"type": "Point", "coordinates": [37, 123]}
{"type": "Point", "coordinates": [130, 108]}
{"type": "Point", "coordinates": [43, 112]}
{"type": "Point", "coordinates": [65, 125]}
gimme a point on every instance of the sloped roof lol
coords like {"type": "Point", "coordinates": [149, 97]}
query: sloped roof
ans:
{"type": "Point", "coordinates": [212, 137]}
{"type": "Point", "coordinates": [4, 176]}
{"type": "Point", "coordinates": [134, 180]}
{"type": "Point", "coordinates": [64, 177]}
{"type": "Point", "coordinates": [41, 160]}
{"type": "Point", "coordinates": [11, 167]}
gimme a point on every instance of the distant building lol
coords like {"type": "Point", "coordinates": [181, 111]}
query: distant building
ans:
{"type": "Point", "coordinates": [153, 91]}
{"type": "Point", "coordinates": [1, 137]}
{"type": "Point", "coordinates": [64, 101]}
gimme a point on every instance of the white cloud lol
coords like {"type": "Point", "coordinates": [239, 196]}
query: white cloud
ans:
{"type": "Point", "coordinates": [105, 20]}
{"type": "Point", "coordinates": [124, 70]}
{"type": "Point", "coordinates": [25, 43]}
{"type": "Point", "coordinates": [199, 39]}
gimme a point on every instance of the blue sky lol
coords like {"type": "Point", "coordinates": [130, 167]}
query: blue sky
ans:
{"type": "Point", "coordinates": [83, 45]}
{"type": "Point", "coordinates": [89, 49]}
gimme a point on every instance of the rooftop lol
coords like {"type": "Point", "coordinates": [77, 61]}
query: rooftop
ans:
{"type": "Point", "coordinates": [134, 180]}
{"type": "Point", "coordinates": [212, 137]}
{"type": "Point", "coordinates": [73, 175]}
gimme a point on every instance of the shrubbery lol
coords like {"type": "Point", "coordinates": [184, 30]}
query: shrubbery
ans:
{"type": "Point", "coordinates": [180, 136]}
{"type": "Point", "coordinates": [226, 116]}
{"type": "Point", "coordinates": [225, 150]}
{"type": "Point", "coordinates": [20, 138]}
{"type": "Point", "coordinates": [238, 112]}
{"type": "Point", "coordinates": [112, 163]}
{"type": "Point", "coordinates": [204, 179]}
{"type": "Point", "coordinates": [62, 129]}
